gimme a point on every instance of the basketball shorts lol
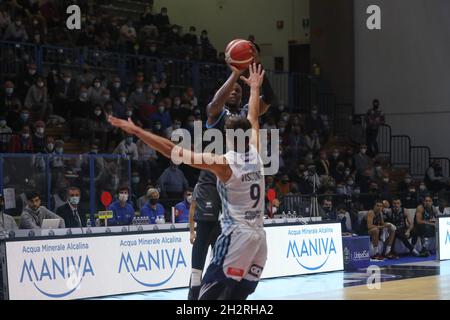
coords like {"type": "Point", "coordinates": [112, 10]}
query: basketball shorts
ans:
{"type": "Point", "coordinates": [241, 255]}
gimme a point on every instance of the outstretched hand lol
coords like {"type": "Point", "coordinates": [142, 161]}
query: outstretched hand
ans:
{"type": "Point", "coordinates": [127, 126]}
{"type": "Point", "coordinates": [256, 76]}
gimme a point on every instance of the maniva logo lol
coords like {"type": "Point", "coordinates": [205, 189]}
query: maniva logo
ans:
{"type": "Point", "coordinates": [159, 265]}
{"type": "Point", "coordinates": [311, 254]}
{"type": "Point", "coordinates": [447, 237]}
{"type": "Point", "coordinates": [52, 272]}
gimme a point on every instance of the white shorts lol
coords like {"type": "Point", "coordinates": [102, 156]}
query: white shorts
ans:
{"type": "Point", "coordinates": [240, 255]}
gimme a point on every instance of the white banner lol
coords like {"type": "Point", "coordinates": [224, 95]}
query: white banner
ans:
{"type": "Point", "coordinates": [444, 238]}
{"type": "Point", "coordinates": [109, 265]}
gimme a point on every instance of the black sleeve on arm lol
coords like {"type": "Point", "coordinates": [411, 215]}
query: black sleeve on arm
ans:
{"type": "Point", "coordinates": [268, 95]}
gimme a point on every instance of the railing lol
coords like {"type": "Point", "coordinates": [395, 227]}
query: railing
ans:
{"type": "Point", "coordinates": [400, 150]}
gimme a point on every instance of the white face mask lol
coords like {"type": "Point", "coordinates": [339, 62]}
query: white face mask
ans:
{"type": "Point", "coordinates": [50, 146]}
{"type": "Point", "coordinates": [40, 130]}
{"type": "Point", "coordinates": [189, 199]}
{"type": "Point", "coordinates": [98, 112]}
{"type": "Point", "coordinates": [123, 100]}
{"type": "Point", "coordinates": [158, 127]}
{"type": "Point", "coordinates": [129, 113]}
{"type": "Point", "coordinates": [74, 200]}
{"type": "Point", "coordinates": [116, 85]}
{"type": "Point", "coordinates": [123, 197]}
{"type": "Point", "coordinates": [2, 123]}
{"type": "Point", "coordinates": [139, 90]}
{"type": "Point", "coordinates": [9, 91]}
{"type": "Point", "coordinates": [26, 135]}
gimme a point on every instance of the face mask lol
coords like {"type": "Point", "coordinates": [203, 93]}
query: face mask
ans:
{"type": "Point", "coordinates": [129, 140]}
{"type": "Point", "coordinates": [152, 49]}
{"type": "Point", "coordinates": [356, 191]}
{"type": "Point", "coordinates": [155, 92]}
{"type": "Point", "coordinates": [407, 181]}
{"type": "Point", "coordinates": [139, 90]}
{"type": "Point", "coordinates": [189, 199]}
{"type": "Point", "coordinates": [136, 179]}
{"type": "Point", "coordinates": [350, 183]}
{"type": "Point", "coordinates": [97, 113]}
{"type": "Point", "coordinates": [335, 155]}
{"type": "Point", "coordinates": [24, 116]}
{"type": "Point", "coordinates": [282, 130]}
{"type": "Point", "coordinates": [285, 118]}
{"type": "Point", "coordinates": [83, 95]}
{"type": "Point", "coordinates": [314, 112]}
{"type": "Point", "coordinates": [422, 188]}
{"type": "Point", "coordinates": [32, 72]}
{"type": "Point", "coordinates": [123, 197]}
{"type": "Point", "coordinates": [116, 85]}
{"type": "Point", "coordinates": [67, 80]}
{"type": "Point", "coordinates": [74, 200]}
{"type": "Point", "coordinates": [40, 130]}
{"type": "Point", "coordinates": [106, 97]}
{"type": "Point", "coordinates": [386, 180]}
{"type": "Point", "coordinates": [50, 146]}
{"type": "Point", "coordinates": [158, 127]}
{"type": "Point", "coordinates": [123, 99]}
{"type": "Point", "coordinates": [161, 109]}
{"type": "Point", "coordinates": [363, 151]}
{"type": "Point", "coordinates": [153, 201]}
{"type": "Point", "coordinates": [9, 91]}
{"type": "Point", "coordinates": [280, 108]}
{"type": "Point", "coordinates": [18, 23]}
{"type": "Point", "coordinates": [26, 135]}
{"type": "Point", "coordinates": [177, 103]}
{"type": "Point", "coordinates": [2, 123]}
{"type": "Point", "coordinates": [129, 113]}
{"type": "Point", "coordinates": [347, 172]}
{"type": "Point", "coordinates": [40, 84]}
{"type": "Point", "coordinates": [340, 191]}
{"type": "Point", "coordinates": [94, 151]}
{"type": "Point", "coordinates": [97, 85]}
{"type": "Point", "coordinates": [59, 150]}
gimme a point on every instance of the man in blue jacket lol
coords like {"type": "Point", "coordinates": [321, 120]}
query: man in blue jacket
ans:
{"type": "Point", "coordinates": [123, 211]}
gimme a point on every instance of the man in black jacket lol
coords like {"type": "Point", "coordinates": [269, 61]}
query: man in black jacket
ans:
{"type": "Point", "coordinates": [72, 212]}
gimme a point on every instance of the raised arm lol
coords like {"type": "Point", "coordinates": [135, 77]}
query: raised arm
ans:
{"type": "Point", "coordinates": [254, 81]}
{"type": "Point", "coordinates": [215, 107]}
{"type": "Point", "coordinates": [204, 161]}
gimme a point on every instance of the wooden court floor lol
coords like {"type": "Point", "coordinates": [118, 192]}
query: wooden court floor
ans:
{"type": "Point", "coordinates": [424, 288]}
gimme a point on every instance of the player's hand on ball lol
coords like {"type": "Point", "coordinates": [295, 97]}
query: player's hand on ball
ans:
{"type": "Point", "coordinates": [256, 76]}
{"type": "Point", "coordinates": [235, 70]}
{"type": "Point", "coordinates": [127, 126]}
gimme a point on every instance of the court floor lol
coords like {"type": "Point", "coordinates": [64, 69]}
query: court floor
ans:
{"type": "Point", "coordinates": [408, 278]}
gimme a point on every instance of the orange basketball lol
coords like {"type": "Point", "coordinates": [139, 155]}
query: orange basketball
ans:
{"type": "Point", "coordinates": [240, 53]}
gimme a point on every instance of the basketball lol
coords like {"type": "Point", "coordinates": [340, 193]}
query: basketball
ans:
{"type": "Point", "coordinates": [240, 53]}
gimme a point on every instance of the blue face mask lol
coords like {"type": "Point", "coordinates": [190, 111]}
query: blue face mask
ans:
{"type": "Point", "coordinates": [129, 140]}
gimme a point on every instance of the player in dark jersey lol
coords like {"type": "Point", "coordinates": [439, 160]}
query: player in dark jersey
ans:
{"type": "Point", "coordinates": [374, 227]}
{"type": "Point", "coordinates": [425, 222]}
{"type": "Point", "coordinates": [226, 102]}
{"type": "Point", "coordinates": [404, 224]}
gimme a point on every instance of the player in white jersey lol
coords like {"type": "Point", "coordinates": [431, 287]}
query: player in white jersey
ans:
{"type": "Point", "coordinates": [241, 251]}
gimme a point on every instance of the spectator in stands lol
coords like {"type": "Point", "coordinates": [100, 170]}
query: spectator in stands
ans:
{"type": "Point", "coordinates": [5, 18]}
{"type": "Point", "coordinates": [162, 20]}
{"type": "Point", "coordinates": [191, 38]}
{"type": "Point", "coordinates": [5, 135]}
{"type": "Point", "coordinates": [378, 173]}
{"type": "Point", "coordinates": [323, 165]}
{"type": "Point", "coordinates": [370, 194]}
{"type": "Point", "coordinates": [87, 77]}
{"type": "Point", "coordinates": [37, 99]}
{"type": "Point", "coordinates": [34, 214]}
{"type": "Point", "coordinates": [22, 143]}
{"type": "Point", "coordinates": [128, 37]}
{"type": "Point", "coordinates": [127, 148]}
{"type": "Point", "coordinates": [120, 106]}
{"type": "Point", "coordinates": [8, 97]}
{"type": "Point", "coordinates": [173, 38]}
{"type": "Point", "coordinates": [153, 209]}
{"type": "Point", "coordinates": [434, 179]}
{"type": "Point", "coordinates": [356, 206]}
{"type": "Point", "coordinates": [362, 160]}
{"type": "Point", "coordinates": [373, 225]}
{"type": "Point", "coordinates": [72, 212]}
{"type": "Point", "coordinates": [147, 18]}
{"type": "Point", "coordinates": [50, 146]}
{"type": "Point", "coordinates": [182, 208]}
{"type": "Point", "coordinates": [57, 161]}
{"type": "Point", "coordinates": [403, 223]}
{"type": "Point", "coordinates": [283, 186]}
{"type": "Point", "coordinates": [95, 92]}
{"type": "Point", "coordinates": [313, 142]}
{"type": "Point", "coordinates": [39, 138]}
{"type": "Point", "coordinates": [297, 145]}
{"type": "Point", "coordinates": [162, 116]}
{"type": "Point", "coordinates": [79, 113]}
{"type": "Point", "coordinates": [374, 119]}
{"type": "Point", "coordinates": [357, 133]}
{"type": "Point", "coordinates": [190, 98]}
{"type": "Point", "coordinates": [26, 80]}
{"type": "Point", "coordinates": [53, 78]}
{"type": "Point", "coordinates": [343, 216]}
{"type": "Point", "coordinates": [425, 222]}
{"type": "Point", "coordinates": [123, 211]}
{"type": "Point", "coordinates": [173, 182]}
{"type": "Point", "coordinates": [406, 184]}
{"type": "Point", "coordinates": [138, 96]}
{"type": "Point", "coordinates": [138, 186]}
{"type": "Point", "coordinates": [16, 32]}
{"type": "Point", "coordinates": [66, 92]}
{"type": "Point", "coordinates": [116, 88]}
{"type": "Point", "coordinates": [7, 222]}
{"type": "Point", "coordinates": [98, 126]}
{"type": "Point", "coordinates": [209, 53]}
{"type": "Point", "coordinates": [339, 172]}
{"type": "Point", "coordinates": [326, 211]}
{"type": "Point", "coordinates": [314, 121]}
{"type": "Point", "coordinates": [422, 192]}
{"type": "Point", "coordinates": [385, 187]}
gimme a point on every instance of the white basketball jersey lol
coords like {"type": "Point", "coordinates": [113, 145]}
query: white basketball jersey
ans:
{"type": "Point", "coordinates": [243, 194]}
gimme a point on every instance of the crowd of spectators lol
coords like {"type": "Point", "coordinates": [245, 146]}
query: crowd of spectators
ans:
{"type": "Point", "coordinates": [153, 34]}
